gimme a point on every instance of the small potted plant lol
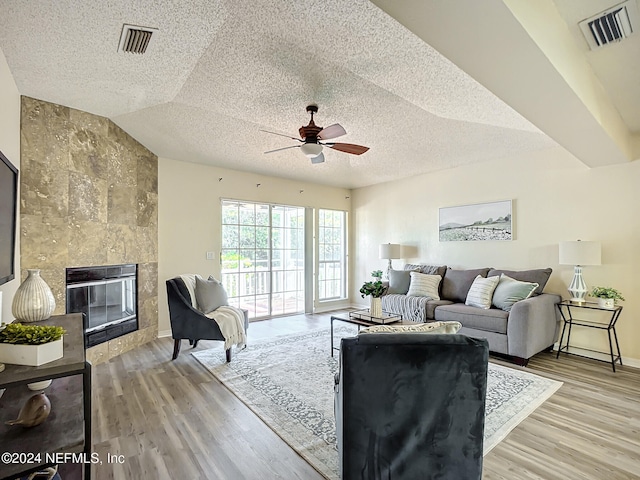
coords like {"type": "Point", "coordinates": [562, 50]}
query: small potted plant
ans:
{"type": "Point", "coordinates": [377, 274]}
{"type": "Point", "coordinates": [32, 345]}
{"type": "Point", "coordinates": [606, 296]}
{"type": "Point", "coordinates": [374, 289]}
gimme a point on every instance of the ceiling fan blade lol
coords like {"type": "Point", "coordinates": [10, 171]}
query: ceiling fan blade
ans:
{"type": "Point", "coordinates": [348, 148]}
{"type": "Point", "coordinates": [283, 148]}
{"type": "Point", "coordinates": [332, 131]}
{"type": "Point", "coordinates": [318, 158]}
{"type": "Point", "coordinates": [282, 135]}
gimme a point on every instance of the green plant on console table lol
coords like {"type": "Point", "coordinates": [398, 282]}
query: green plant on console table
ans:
{"type": "Point", "coordinates": [375, 289]}
{"type": "Point", "coordinates": [606, 292]}
{"type": "Point", "coordinates": [19, 334]}
{"type": "Point", "coordinates": [377, 274]}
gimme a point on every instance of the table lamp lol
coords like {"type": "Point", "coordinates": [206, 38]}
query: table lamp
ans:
{"type": "Point", "coordinates": [389, 251]}
{"type": "Point", "coordinates": [579, 253]}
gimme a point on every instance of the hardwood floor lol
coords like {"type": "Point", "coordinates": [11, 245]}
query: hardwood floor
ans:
{"type": "Point", "coordinates": [175, 420]}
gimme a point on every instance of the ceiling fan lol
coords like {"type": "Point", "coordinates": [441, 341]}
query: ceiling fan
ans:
{"type": "Point", "coordinates": [314, 138]}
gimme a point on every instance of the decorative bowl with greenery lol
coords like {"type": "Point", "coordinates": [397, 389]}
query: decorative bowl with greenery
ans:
{"type": "Point", "coordinates": [606, 292]}
{"type": "Point", "coordinates": [19, 334]}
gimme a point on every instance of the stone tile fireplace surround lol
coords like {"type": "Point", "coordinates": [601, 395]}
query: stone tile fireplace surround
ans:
{"type": "Point", "coordinates": [89, 196]}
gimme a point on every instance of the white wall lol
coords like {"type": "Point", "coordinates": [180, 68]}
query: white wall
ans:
{"type": "Point", "coordinates": [10, 147]}
{"type": "Point", "coordinates": [189, 214]}
{"type": "Point", "coordinates": [555, 198]}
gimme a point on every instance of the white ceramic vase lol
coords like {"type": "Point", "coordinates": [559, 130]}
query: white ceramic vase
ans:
{"type": "Point", "coordinates": [33, 300]}
{"type": "Point", "coordinates": [376, 307]}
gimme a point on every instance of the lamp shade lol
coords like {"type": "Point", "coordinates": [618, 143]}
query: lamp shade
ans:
{"type": "Point", "coordinates": [389, 250]}
{"type": "Point", "coordinates": [579, 253]}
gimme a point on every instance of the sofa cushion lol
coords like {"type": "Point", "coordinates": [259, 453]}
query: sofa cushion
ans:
{"type": "Point", "coordinates": [539, 276]}
{"type": "Point", "coordinates": [424, 285]}
{"type": "Point", "coordinates": [481, 292]}
{"type": "Point", "coordinates": [510, 291]}
{"type": "Point", "coordinates": [399, 281]}
{"type": "Point", "coordinates": [456, 283]}
{"type": "Point", "coordinates": [491, 320]}
{"type": "Point", "coordinates": [431, 308]}
{"type": "Point", "coordinates": [431, 327]}
{"type": "Point", "coordinates": [210, 295]}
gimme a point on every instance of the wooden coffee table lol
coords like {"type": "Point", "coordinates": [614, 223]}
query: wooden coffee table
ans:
{"type": "Point", "coordinates": [362, 318]}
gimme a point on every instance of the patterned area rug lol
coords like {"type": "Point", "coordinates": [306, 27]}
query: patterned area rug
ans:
{"type": "Point", "coordinates": [288, 382]}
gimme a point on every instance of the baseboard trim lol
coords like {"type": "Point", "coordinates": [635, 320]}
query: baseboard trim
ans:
{"type": "Point", "coordinates": [164, 333]}
{"type": "Point", "coordinates": [626, 361]}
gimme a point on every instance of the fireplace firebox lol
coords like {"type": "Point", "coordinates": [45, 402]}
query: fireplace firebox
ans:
{"type": "Point", "coordinates": [107, 298]}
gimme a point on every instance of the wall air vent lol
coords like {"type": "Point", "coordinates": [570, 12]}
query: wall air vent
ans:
{"type": "Point", "coordinates": [613, 25]}
{"type": "Point", "coordinates": [135, 39]}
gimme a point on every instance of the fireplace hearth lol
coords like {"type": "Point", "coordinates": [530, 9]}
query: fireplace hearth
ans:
{"type": "Point", "coordinates": [107, 297]}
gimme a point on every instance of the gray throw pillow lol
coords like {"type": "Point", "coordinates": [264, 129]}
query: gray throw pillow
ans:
{"type": "Point", "coordinates": [510, 291]}
{"type": "Point", "coordinates": [456, 283]}
{"type": "Point", "coordinates": [210, 295]}
{"type": "Point", "coordinates": [399, 281]}
{"type": "Point", "coordinates": [539, 276]}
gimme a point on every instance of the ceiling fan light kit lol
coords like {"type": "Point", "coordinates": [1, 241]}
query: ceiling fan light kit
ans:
{"type": "Point", "coordinates": [311, 149]}
{"type": "Point", "coordinates": [311, 136]}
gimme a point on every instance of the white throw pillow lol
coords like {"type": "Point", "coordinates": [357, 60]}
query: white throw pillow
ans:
{"type": "Point", "coordinates": [481, 292]}
{"type": "Point", "coordinates": [429, 327]}
{"type": "Point", "coordinates": [424, 285]}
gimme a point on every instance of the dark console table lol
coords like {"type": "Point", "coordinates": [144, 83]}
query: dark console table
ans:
{"type": "Point", "coordinates": [68, 427]}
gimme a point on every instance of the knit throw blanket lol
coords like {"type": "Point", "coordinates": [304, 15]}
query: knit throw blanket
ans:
{"type": "Point", "coordinates": [231, 323]}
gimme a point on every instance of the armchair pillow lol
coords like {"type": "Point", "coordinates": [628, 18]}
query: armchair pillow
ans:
{"type": "Point", "coordinates": [481, 292]}
{"type": "Point", "coordinates": [510, 291]}
{"type": "Point", "coordinates": [210, 295]}
{"type": "Point", "coordinates": [424, 285]}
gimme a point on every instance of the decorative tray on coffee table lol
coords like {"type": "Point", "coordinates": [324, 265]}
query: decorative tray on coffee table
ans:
{"type": "Point", "coordinates": [385, 319]}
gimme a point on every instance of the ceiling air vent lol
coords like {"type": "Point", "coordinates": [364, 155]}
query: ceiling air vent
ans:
{"type": "Point", "coordinates": [135, 39]}
{"type": "Point", "coordinates": [613, 25]}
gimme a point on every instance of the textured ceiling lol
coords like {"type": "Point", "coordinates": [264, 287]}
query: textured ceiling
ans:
{"type": "Point", "coordinates": [217, 72]}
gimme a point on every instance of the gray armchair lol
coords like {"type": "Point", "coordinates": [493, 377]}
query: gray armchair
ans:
{"type": "Point", "coordinates": [411, 406]}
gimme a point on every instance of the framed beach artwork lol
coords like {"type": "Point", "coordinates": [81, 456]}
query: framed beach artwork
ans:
{"type": "Point", "coordinates": [480, 221]}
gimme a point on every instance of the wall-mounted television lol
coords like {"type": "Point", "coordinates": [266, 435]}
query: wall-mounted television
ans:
{"type": "Point", "coordinates": [8, 210]}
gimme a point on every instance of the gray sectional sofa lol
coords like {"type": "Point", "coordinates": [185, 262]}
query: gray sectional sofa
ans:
{"type": "Point", "coordinates": [530, 326]}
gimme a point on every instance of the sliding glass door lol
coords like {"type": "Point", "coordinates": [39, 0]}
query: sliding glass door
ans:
{"type": "Point", "coordinates": [263, 257]}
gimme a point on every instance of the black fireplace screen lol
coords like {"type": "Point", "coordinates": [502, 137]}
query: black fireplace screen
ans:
{"type": "Point", "coordinates": [107, 296]}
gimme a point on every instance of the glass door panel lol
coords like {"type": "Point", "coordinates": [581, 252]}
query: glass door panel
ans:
{"type": "Point", "coordinates": [262, 257]}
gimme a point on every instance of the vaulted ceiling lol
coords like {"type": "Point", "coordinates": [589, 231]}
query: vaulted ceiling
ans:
{"type": "Point", "coordinates": [427, 85]}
